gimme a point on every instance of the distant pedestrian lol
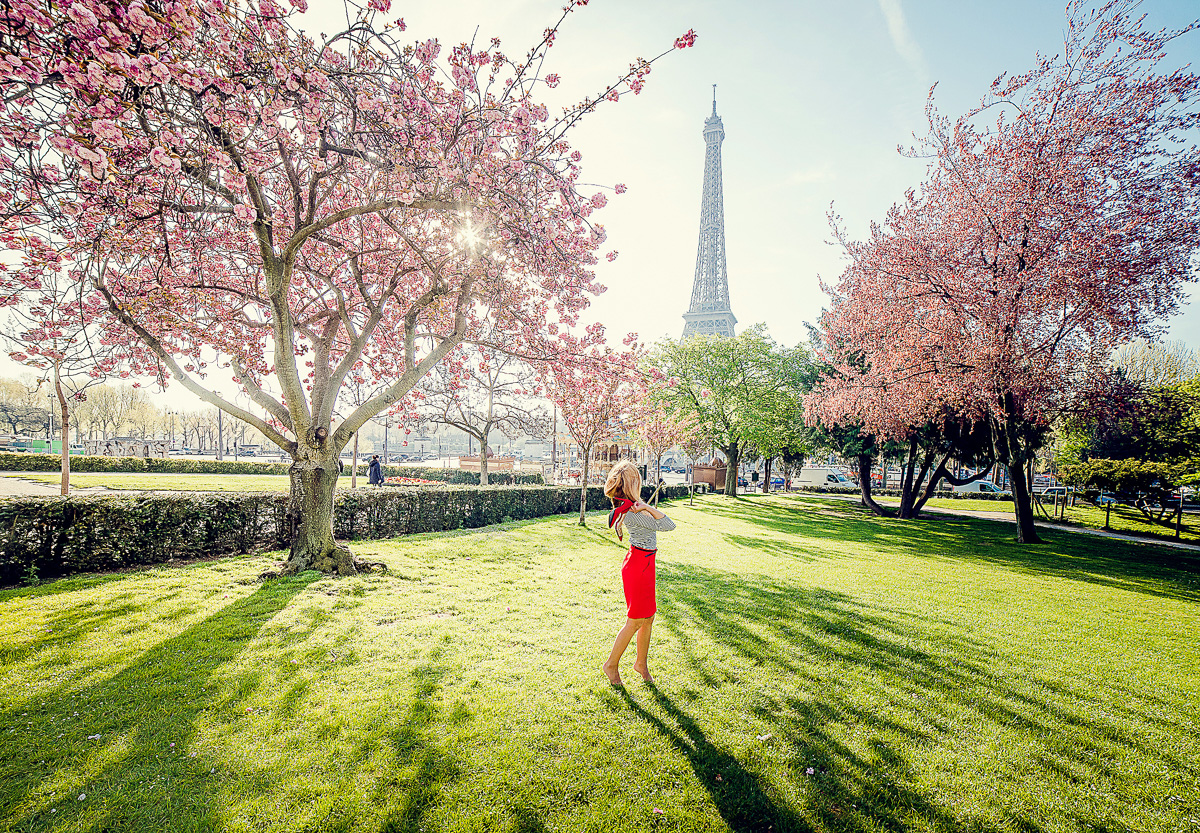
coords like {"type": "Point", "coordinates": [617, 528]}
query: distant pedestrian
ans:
{"type": "Point", "coordinates": [375, 471]}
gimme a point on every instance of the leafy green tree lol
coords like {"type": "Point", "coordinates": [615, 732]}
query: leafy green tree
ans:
{"type": "Point", "coordinates": [1126, 420]}
{"type": "Point", "coordinates": [721, 382]}
{"type": "Point", "coordinates": [776, 427]}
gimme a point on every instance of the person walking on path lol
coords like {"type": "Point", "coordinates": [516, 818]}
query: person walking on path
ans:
{"type": "Point", "coordinates": [375, 472]}
{"type": "Point", "coordinates": [624, 488]}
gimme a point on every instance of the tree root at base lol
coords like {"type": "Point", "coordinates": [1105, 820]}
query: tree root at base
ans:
{"type": "Point", "coordinates": [359, 565]}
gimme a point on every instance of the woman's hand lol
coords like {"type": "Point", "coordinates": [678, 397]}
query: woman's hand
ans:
{"type": "Point", "coordinates": [639, 506]}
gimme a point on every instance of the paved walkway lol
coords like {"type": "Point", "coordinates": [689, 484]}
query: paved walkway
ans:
{"type": "Point", "coordinates": [1006, 517]}
{"type": "Point", "coordinates": [14, 484]}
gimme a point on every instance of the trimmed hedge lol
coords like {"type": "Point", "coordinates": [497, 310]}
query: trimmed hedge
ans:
{"type": "Point", "coordinates": [137, 465]}
{"type": "Point", "coordinates": [174, 465]}
{"type": "Point", "coordinates": [49, 537]}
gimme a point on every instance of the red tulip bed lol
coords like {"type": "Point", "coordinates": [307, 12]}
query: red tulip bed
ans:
{"type": "Point", "coordinates": [412, 481]}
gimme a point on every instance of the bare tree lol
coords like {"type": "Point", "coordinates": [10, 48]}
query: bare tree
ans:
{"type": "Point", "coordinates": [1156, 364]}
{"type": "Point", "coordinates": [482, 390]}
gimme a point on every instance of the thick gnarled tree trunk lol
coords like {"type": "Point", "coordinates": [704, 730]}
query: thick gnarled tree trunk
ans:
{"type": "Point", "coordinates": [310, 519]}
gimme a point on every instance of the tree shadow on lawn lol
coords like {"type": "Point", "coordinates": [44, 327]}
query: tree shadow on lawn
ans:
{"type": "Point", "coordinates": [885, 717]}
{"type": "Point", "coordinates": [420, 767]}
{"type": "Point", "coordinates": [145, 717]}
{"type": "Point", "coordinates": [1144, 568]}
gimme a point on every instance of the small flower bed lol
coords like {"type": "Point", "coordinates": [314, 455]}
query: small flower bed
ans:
{"type": "Point", "coordinates": [412, 481]}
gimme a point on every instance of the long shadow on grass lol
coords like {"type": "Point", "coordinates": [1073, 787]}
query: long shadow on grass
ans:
{"type": "Point", "coordinates": [139, 772]}
{"type": "Point", "coordinates": [1144, 568]}
{"type": "Point", "coordinates": [420, 766]}
{"type": "Point", "coordinates": [740, 796]}
{"type": "Point", "coordinates": [885, 716]}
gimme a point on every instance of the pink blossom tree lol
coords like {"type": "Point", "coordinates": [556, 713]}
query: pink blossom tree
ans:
{"type": "Point", "coordinates": [658, 430]}
{"type": "Point", "coordinates": [1058, 220]}
{"type": "Point", "coordinates": [595, 391]}
{"type": "Point", "coordinates": [244, 199]}
{"type": "Point", "coordinates": [482, 390]}
{"type": "Point", "coordinates": [49, 329]}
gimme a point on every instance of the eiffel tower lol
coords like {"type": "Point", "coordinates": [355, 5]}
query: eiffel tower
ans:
{"type": "Point", "coordinates": [710, 313]}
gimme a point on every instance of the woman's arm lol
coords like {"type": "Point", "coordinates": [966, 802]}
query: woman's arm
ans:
{"type": "Point", "coordinates": [646, 508]}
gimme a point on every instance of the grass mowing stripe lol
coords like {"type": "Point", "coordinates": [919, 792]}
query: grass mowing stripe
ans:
{"type": "Point", "coordinates": [818, 668]}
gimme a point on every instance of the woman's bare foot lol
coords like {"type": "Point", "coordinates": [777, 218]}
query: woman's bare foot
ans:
{"type": "Point", "coordinates": [644, 671]}
{"type": "Point", "coordinates": [613, 674]}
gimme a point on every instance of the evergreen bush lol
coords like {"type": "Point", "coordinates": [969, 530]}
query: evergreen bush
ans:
{"type": "Point", "coordinates": [175, 465]}
{"type": "Point", "coordinates": [49, 537]}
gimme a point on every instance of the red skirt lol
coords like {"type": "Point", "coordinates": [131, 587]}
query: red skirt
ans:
{"type": "Point", "coordinates": [637, 577]}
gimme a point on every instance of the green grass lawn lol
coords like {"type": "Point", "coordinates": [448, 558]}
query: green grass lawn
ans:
{"type": "Point", "coordinates": [1124, 519]}
{"type": "Point", "coordinates": [818, 669]}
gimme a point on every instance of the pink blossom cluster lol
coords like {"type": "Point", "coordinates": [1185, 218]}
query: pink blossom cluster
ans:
{"type": "Point", "coordinates": [226, 193]}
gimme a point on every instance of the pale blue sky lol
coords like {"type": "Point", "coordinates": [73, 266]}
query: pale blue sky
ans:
{"type": "Point", "coordinates": [815, 96]}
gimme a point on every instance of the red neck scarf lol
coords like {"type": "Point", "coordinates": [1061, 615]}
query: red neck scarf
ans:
{"type": "Point", "coordinates": [623, 505]}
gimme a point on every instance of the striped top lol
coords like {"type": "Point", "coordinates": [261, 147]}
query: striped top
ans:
{"type": "Point", "coordinates": [641, 528]}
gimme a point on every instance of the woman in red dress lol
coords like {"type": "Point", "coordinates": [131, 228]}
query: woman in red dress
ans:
{"type": "Point", "coordinates": [624, 488]}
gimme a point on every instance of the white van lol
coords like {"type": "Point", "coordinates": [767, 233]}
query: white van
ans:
{"type": "Point", "coordinates": [979, 487]}
{"type": "Point", "coordinates": [822, 476]}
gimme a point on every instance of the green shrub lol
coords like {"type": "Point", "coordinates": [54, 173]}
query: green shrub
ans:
{"type": "Point", "coordinates": [176, 465]}
{"type": "Point", "coordinates": [48, 537]}
{"type": "Point", "coordinates": [136, 465]}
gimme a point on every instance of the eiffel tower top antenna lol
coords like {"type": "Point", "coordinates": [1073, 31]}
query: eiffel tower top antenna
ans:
{"type": "Point", "coordinates": [714, 99]}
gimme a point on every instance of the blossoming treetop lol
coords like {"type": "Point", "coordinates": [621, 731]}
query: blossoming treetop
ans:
{"type": "Point", "coordinates": [245, 198]}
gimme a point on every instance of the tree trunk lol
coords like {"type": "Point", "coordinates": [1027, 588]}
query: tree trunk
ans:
{"type": "Point", "coordinates": [310, 518]}
{"type": "Point", "coordinates": [657, 477]}
{"type": "Point", "coordinates": [66, 453]}
{"type": "Point", "coordinates": [766, 476]}
{"type": "Point", "coordinates": [864, 485]}
{"type": "Point", "coordinates": [731, 469]}
{"type": "Point", "coordinates": [1008, 451]}
{"type": "Point", "coordinates": [1023, 505]}
{"type": "Point", "coordinates": [587, 455]}
{"type": "Point", "coordinates": [906, 481]}
{"type": "Point", "coordinates": [483, 461]}
{"type": "Point", "coordinates": [938, 473]}
{"type": "Point", "coordinates": [354, 464]}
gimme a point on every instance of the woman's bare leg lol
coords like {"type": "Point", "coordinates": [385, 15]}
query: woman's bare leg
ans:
{"type": "Point", "coordinates": [643, 650]}
{"type": "Point", "coordinates": [624, 636]}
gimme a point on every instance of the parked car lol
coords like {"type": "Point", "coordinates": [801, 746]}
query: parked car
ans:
{"type": "Point", "coordinates": [822, 476]}
{"type": "Point", "coordinates": [743, 481]}
{"type": "Point", "coordinates": [1051, 492]}
{"type": "Point", "coordinates": [776, 482]}
{"type": "Point", "coordinates": [980, 487]}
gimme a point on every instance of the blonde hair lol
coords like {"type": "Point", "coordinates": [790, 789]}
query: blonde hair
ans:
{"type": "Point", "coordinates": [624, 481]}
